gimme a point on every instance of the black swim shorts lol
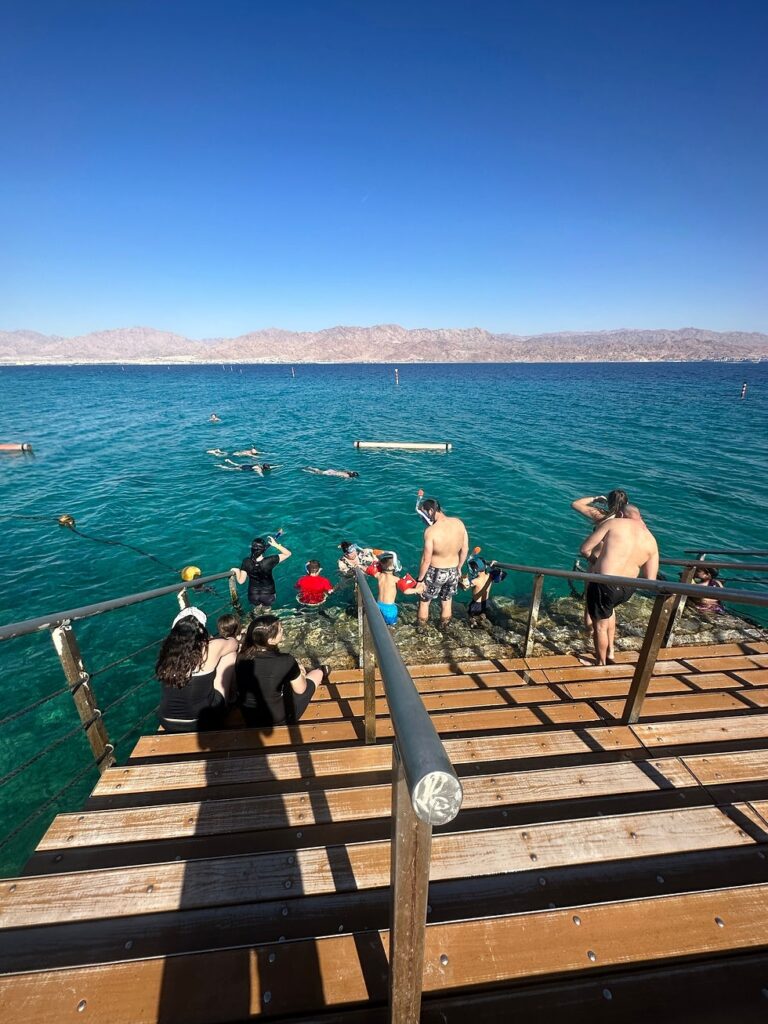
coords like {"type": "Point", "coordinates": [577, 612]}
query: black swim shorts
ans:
{"type": "Point", "coordinates": [602, 598]}
{"type": "Point", "coordinates": [442, 583]}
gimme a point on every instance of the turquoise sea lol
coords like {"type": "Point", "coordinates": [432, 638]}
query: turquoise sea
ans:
{"type": "Point", "coordinates": [123, 450]}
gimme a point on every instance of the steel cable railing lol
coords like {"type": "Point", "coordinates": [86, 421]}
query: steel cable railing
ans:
{"type": "Point", "coordinates": [42, 808]}
{"type": "Point", "coordinates": [33, 706]}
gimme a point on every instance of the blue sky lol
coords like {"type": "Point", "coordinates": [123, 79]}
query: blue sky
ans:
{"type": "Point", "coordinates": [213, 168]}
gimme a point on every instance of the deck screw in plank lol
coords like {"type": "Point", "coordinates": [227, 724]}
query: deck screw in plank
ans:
{"type": "Point", "coordinates": [591, 955]}
{"type": "Point", "coordinates": [444, 959]}
{"type": "Point", "coordinates": [272, 957]}
{"type": "Point", "coordinates": [720, 922]}
{"type": "Point", "coordinates": [660, 879]}
{"type": "Point", "coordinates": [607, 994]}
{"type": "Point", "coordinates": [576, 919]}
{"type": "Point", "coordinates": [81, 1005]}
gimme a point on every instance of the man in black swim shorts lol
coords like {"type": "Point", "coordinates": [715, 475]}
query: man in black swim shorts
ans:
{"type": "Point", "coordinates": [618, 547]}
{"type": "Point", "coordinates": [446, 546]}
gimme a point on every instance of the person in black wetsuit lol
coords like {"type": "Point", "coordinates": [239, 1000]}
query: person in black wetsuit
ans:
{"type": "Point", "coordinates": [272, 687]}
{"type": "Point", "coordinates": [197, 674]}
{"type": "Point", "coordinates": [257, 568]}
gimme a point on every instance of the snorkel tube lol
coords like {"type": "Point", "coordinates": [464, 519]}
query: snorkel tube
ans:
{"type": "Point", "coordinates": [428, 515]}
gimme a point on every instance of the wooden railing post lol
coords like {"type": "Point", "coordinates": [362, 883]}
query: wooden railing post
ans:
{"type": "Point", "coordinates": [680, 602]}
{"type": "Point", "coordinates": [533, 614]}
{"type": "Point", "coordinates": [183, 599]}
{"type": "Point", "coordinates": [663, 607]}
{"type": "Point", "coordinates": [234, 597]}
{"type": "Point", "coordinates": [409, 883]}
{"type": "Point", "coordinates": [68, 650]}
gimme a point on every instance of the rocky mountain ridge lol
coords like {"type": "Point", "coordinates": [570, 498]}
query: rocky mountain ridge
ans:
{"type": "Point", "coordinates": [382, 343]}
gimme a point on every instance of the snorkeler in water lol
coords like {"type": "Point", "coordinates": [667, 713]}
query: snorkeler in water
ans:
{"type": "Point", "coordinates": [217, 452]}
{"type": "Point", "coordinates": [213, 418]}
{"type": "Point", "coordinates": [247, 467]}
{"type": "Point", "coordinates": [347, 474]}
{"type": "Point", "coordinates": [247, 451]}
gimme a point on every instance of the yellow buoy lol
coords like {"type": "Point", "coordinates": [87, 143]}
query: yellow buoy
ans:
{"type": "Point", "coordinates": [68, 521]}
{"type": "Point", "coordinates": [190, 572]}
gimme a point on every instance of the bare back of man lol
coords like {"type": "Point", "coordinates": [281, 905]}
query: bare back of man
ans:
{"type": "Point", "coordinates": [620, 547]}
{"type": "Point", "coordinates": [446, 546]}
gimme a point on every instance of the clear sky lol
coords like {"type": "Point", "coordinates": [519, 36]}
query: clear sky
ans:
{"type": "Point", "coordinates": [213, 168]}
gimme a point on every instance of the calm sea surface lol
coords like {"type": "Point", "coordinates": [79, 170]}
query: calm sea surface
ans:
{"type": "Point", "coordinates": [124, 452]}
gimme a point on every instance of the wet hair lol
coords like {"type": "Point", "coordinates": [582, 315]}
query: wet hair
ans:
{"type": "Point", "coordinates": [228, 625]}
{"type": "Point", "coordinates": [313, 565]}
{"type": "Point", "coordinates": [387, 563]}
{"type": "Point", "coordinates": [352, 472]}
{"type": "Point", "coordinates": [182, 653]}
{"type": "Point", "coordinates": [617, 502]}
{"type": "Point", "coordinates": [258, 547]}
{"type": "Point", "coordinates": [261, 630]}
{"type": "Point", "coordinates": [431, 506]}
{"type": "Point", "coordinates": [346, 545]}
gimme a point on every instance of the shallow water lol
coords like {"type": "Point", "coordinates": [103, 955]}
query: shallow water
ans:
{"type": "Point", "coordinates": [123, 451]}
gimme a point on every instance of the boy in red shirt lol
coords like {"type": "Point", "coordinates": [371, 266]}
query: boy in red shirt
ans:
{"type": "Point", "coordinates": [313, 588]}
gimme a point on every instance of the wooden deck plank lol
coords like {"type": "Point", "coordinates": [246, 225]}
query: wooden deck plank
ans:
{"type": "Point", "coordinates": [553, 661]}
{"type": "Point", "coordinates": [756, 646]}
{"type": "Point", "coordinates": [758, 677]}
{"type": "Point", "coordinates": [702, 730]}
{"type": "Point", "coordinates": [620, 687]}
{"type": "Point", "coordinates": [720, 664]}
{"type": "Point", "coordinates": [702, 651]}
{"type": "Point", "coordinates": [712, 681]}
{"type": "Point", "coordinates": [758, 698]}
{"type": "Point", "coordinates": [722, 769]}
{"type": "Point", "coordinates": [682, 704]}
{"type": "Point", "coordinates": [348, 970]}
{"type": "Point", "coordinates": [197, 818]}
{"type": "Point", "coordinates": [162, 888]}
{"type": "Point", "coordinates": [761, 660]}
{"type": "Point", "coordinates": [586, 672]}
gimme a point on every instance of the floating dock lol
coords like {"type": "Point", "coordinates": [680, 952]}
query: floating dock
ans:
{"type": "Point", "coordinates": [417, 446]}
{"type": "Point", "coordinates": [596, 871]}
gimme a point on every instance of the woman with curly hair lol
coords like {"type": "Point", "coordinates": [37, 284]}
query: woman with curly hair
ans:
{"type": "Point", "coordinates": [196, 673]}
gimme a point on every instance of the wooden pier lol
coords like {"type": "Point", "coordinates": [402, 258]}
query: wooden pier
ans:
{"type": "Point", "coordinates": [601, 871]}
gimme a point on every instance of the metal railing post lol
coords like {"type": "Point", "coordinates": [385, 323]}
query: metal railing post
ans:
{"type": "Point", "coordinates": [533, 614]}
{"type": "Point", "coordinates": [662, 610]}
{"type": "Point", "coordinates": [360, 618]}
{"type": "Point", "coordinates": [66, 646]}
{"type": "Point", "coordinates": [369, 682]}
{"type": "Point", "coordinates": [409, 883]}
{"type": "Point", "coordinates": [680, 603]}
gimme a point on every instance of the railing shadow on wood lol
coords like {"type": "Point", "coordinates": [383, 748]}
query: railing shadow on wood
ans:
{"type": "Point", "coordinates": [425, 792]}
{"type": "Point", "coordinates": [666, 596]}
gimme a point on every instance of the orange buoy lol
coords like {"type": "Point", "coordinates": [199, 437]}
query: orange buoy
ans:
{"type": "Point", "coordinates": [16, 447]}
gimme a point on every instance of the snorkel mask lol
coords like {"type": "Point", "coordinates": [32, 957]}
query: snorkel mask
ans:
{"type": "Point", "coordinates": [428, 513]}
{"type": "Point", "coordinates": [476, 564]}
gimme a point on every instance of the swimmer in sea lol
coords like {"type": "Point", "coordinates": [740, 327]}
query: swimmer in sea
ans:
{"type": "Point", "coordinates": [247, 451]}
{"type": "Point", "coordinates": [347, 474]}
{"type": "Point", "coordinates": [213, 418]}
{"type": "Point", "coordinates": [217, 452]}
{"type": "Point", "coordinates": [248, 467]}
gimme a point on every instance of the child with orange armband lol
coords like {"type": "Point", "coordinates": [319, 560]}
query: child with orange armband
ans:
{"type": "Point", "coordinates": [383, 572]}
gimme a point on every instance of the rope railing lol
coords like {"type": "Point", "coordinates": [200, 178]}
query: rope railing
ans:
{"type": "Point", "coordinates": [42, 808]}
{"type": "Point", "coordinates": [15, 715]}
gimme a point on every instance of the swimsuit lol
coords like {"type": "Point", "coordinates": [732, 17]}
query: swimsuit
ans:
{"type": "Point", "coordinates": [195, 706]}
{"type": "Point", "coordinates": [389, 611]}
{"type": "Point", "coordinates": [442, 583]}
{"type": "Point", "coordinates": [477, 607]}
{"type": "Point", "coordinates": [602, 598]}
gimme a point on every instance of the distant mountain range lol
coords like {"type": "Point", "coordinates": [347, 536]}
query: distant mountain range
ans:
{"type": "Point", "coordinates": [384, 343]}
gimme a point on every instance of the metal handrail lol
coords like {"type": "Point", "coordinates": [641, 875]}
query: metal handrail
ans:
{"type": "Point", "coordinates": [737, 566]}
{"type": "Point", "coordinates": [425, 792]}
{"type": "Point", "coordinates": [727, 551]}
{"type": "Point", "coordinates": [27, 626]}
{"type": "Point", "coordinates": [662, 587]}
{"type": "Point", "coordinates": [433, 784]}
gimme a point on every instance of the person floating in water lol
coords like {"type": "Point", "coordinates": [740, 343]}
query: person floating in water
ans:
{"type": "Point", "coordinates": [383, 572]}
{"type": "Point", "coordinates": [353, 556]}
{"type": "Point", "coordinates": [313, 588]}
{"type": "Point", "coordinates": [247, 451]}
{"type": "Point", "coordinates": [217, 452]}
{"type": "Point", "coordinates": [213, 418]}
{"type": "Point", "coordinates": [618, 547]}
{"type": "Point", "coordinates": [347, 474]}
{"type": "Point", "coordinates": [247, 467]}
{"type": "Point", "coordinates": [446, 546]}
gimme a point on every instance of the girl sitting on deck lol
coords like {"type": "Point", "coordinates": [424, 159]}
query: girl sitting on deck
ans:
{"type": "Point", "coordinates": [273, 688]}
{"type": "Point", "coordinates": [197, 674]}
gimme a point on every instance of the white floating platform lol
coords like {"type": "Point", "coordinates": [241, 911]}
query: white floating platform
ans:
{"type": "Point", "coordinates": [417, 446]}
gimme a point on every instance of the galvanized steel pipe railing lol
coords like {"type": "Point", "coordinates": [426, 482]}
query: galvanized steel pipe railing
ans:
{"type": "Point", "coordinates": [435, 790]}
{"type": "Point", "coordinates": [425, 792]}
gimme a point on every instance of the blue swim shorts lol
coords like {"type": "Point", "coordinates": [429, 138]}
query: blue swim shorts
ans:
{"type": "Point", "coordinates": [389, 611]}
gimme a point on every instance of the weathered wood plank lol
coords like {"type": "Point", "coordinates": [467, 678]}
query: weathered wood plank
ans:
{"type": "Point", "coordinates": [701, 651]}
{"type": "Point", "coordinates": [712, 681]}
{"type": "Point", "coordinates": [620, 687]}
{"type": "Point", "coordinates": [141, 824]}
{"type": "Point", "coordinates": [758, 698]}
{"type": "Point", "coordinates": [684, 704]}
{"type": "Point", "coordinates": [350, 970]}
{"type": "Point", "coordinates": [625, 671]}
{"type": "Point", "coordinates": [723, 769]}
{"type": "Point", "coordinates": [160, 888]}
{"type": "Point", "coordinates": [720, 664]}
{"type": "Point", "coordinates": [758, 677]}
{"type": "Point", "coordinates": [702, 730]}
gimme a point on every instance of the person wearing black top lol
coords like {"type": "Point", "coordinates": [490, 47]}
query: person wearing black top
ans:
{"type": "Point", "coordinates": [257, 569]}
{"type": "Point", "coordinates": [272, 687]}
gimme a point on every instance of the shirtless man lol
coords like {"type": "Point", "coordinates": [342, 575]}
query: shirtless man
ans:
{"type": "Point", "coordinates": [623, 547]}
{"type": "Point", "coordinates": [445, 550]}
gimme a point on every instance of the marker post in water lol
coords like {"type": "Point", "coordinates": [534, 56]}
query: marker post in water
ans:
{"type": "Point", "coordinates": [744, 390]}
{"type": "Point", "coordinates": [397, 376]}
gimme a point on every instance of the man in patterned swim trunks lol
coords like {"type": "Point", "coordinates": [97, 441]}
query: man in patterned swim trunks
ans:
{"type": "Point", "coordinates": [446, 546]}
